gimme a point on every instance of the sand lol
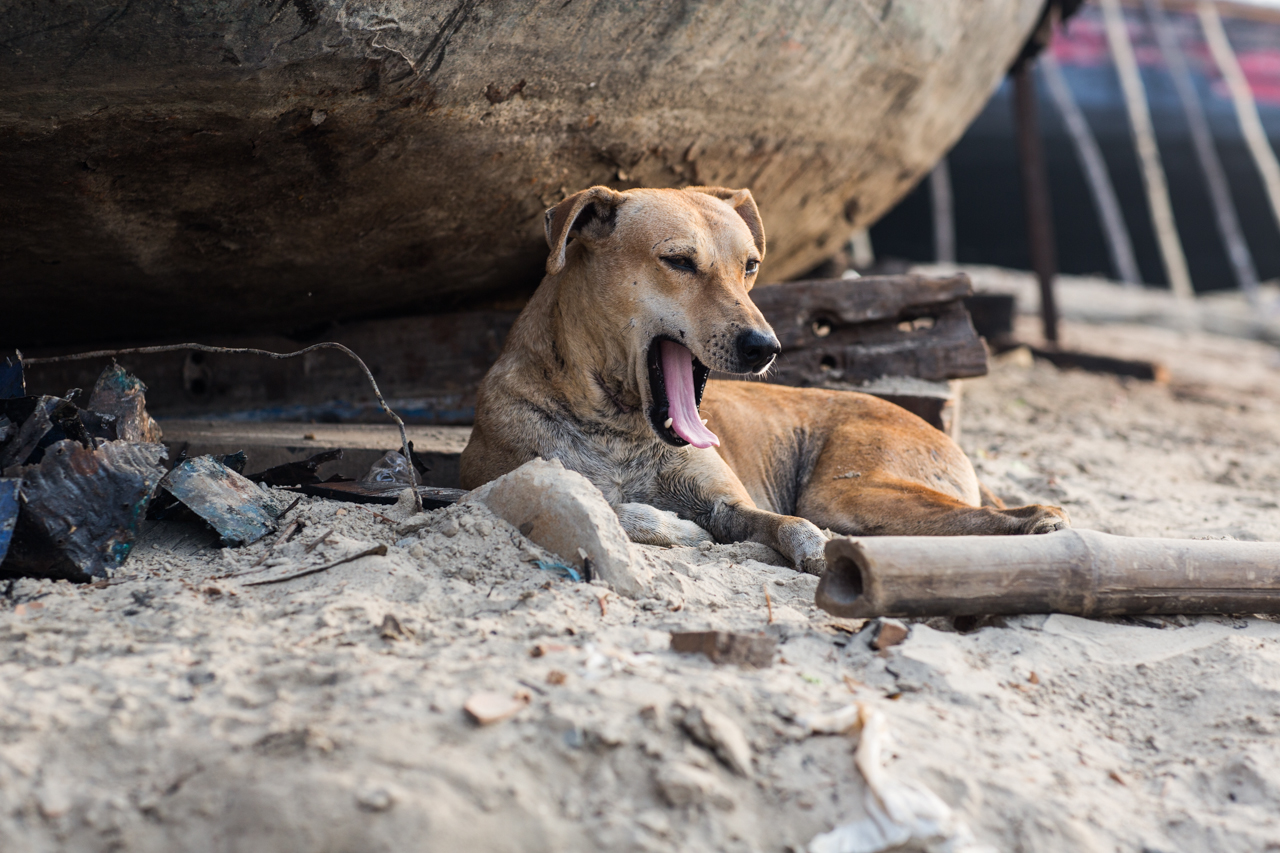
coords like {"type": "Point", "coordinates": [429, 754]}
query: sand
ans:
{"type": "Point", "coordinates": [178, 709]}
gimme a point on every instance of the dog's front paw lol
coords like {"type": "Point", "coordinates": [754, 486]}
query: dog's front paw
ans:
{"type": "Point", "coordinates": [805, 545]}
{"type": "Point", "coordinates": [1047, 520]}
{"type": "Point", "coordinates": [652, 526]}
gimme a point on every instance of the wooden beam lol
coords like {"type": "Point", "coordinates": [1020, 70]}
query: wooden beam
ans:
{"type": "Point", "coordinates": [944, 223]}
{"type": "Point", "coordinates": [430, 367]}
{"type": "Point", "coordinates": [1035, 196]}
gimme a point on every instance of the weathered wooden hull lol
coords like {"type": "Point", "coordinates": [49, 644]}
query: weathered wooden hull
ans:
{"type": "Point", "coordinates": [176, 168]}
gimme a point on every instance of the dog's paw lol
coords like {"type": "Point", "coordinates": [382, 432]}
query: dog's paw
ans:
{"type": "Point", "coordinates": [1049, 519]}
{"type": "Point", "coordinates": [805, 545]}
{"type": "Point", "coordinates": [649, 525]}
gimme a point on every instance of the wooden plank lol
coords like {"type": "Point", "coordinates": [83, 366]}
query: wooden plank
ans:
{"type": "Point", "coordinates": [938, 343]}
{"type": "Point", "coordinates": [800, 309]}
{"type": "Point", "coordinates": [429, 367]}
{"type": "Point", "coordinates": [269, 444]}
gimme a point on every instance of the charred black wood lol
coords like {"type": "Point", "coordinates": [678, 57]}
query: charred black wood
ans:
{"type": "Point", "coordinates": [857, 330]}
{"type": "Point", "coordinates": [354, 491]}
{"type": "Point", "coordinates": [297, 473]}
{"type": "Point", "coordinates": [1072, 360]}
{"type": "Point", "coordinates": [80, 508]}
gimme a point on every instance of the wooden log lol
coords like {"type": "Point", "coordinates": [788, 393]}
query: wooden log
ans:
{"type": "Point", "coordinates": [1080, 572]}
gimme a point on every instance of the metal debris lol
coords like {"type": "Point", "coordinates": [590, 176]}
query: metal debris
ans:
{"type": "Point", "coordinates": [117, 392]}
{"type": "Point", "coordinates": [240, 510]}
{"type": "Point", "coordinates": [80, 508]}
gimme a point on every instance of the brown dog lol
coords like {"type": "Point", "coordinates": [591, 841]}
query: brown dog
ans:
{"type": "Point", "coordinates": [605, 369]}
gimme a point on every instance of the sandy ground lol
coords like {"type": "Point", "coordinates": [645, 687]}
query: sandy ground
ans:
{"type": "Point", "coordinates": [177, 709]}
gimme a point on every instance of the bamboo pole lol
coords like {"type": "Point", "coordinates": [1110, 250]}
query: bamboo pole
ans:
{"type": "Point", "coordinates": [1114, 230]}
{"type": "Point", "coordinates": [944, 224]}
{"type": "Point", "coordinates": [1246, 109]}
{"type": "Point", "coordinates": [1224, 210]}
{"type": "Point", "coordinates": [1144, 138]}
{"type": "Point", "coordinates": [1080, 572]}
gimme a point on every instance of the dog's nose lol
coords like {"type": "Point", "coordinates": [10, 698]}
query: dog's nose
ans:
{"type": "Point", "coordinates": [756, 349]}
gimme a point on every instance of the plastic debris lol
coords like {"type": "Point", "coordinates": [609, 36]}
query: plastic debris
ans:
{"type": "Point", "coordinates": [80, 509]}
{"type": "Point", "coordinates": [560, 569]}
{"type": "Point", "coordinates": [240, 510]}
{"type": "Point", "coordinates": [9, 490]}
{"type": "Point", "coordinates": [754, 651]}
{"type": "Point", "coordinates": [392, 469]}
{"type": "Point", "coordinates": [901, 814]}
{"type": "Point", "coordinates": [118, 392]}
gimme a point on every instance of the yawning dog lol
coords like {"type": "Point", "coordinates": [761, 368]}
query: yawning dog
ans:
{"type": "Point", "coordinates": [606, 370]}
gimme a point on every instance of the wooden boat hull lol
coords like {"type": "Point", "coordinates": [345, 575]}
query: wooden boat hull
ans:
{"type": "Point", "coordinates": [172, 169]}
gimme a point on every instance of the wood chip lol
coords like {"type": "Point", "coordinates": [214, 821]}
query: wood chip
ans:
{"type": "Point", "coordinates": [888, 632]}
{"type": "Point", "coordinates": [488, 707]}
{"type": "Point", "coordinates": [555, 676]}
{"type": "Point", "coordinates": [725, 647]}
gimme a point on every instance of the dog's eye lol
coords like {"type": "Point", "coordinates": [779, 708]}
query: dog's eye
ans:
{"type": "Point", "coordinates": [680, 262]}
{"type": "Point", "coordinates": [752, 266]}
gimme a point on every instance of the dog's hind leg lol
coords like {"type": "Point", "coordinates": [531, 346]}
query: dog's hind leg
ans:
{"type": "Point", "coordinates": [883, 506]}
{"type": "Point", "coordinates": [649, 525]}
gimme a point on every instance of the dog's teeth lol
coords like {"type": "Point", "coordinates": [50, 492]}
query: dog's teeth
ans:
{"type": "Point", "coordinates": [704, 421]}
{"type": "Point", "coordinates": [669, 422]}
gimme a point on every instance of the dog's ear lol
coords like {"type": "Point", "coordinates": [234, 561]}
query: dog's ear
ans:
{"type": "Point", "coordinates": [589, 214]}
{"type": "Point", "coordinates": [745, 206]}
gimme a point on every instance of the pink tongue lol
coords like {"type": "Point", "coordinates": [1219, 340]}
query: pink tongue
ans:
{"type": "Point", "coordinates": [677, 373]}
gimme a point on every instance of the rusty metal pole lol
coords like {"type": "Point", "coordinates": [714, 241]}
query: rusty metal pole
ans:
{"type": "Point", "coordinates": [1035, 196]}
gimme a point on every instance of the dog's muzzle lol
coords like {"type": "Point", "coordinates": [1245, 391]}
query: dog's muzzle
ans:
{"type": "Point", "coordinates": [756, 350]}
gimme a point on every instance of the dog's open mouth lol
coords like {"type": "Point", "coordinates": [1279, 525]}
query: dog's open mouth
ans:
{"type": "Point", "coordinates": [676, 381]}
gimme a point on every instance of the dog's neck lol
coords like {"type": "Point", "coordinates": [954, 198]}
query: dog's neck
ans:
{"type": "Point", "coordinates": [587, 364]}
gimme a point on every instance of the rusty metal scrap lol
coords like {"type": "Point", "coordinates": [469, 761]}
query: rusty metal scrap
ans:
{"type": "Point", "coordinates": [240, 510]}
{"type": "Point", "coordinates": [80, 508]}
